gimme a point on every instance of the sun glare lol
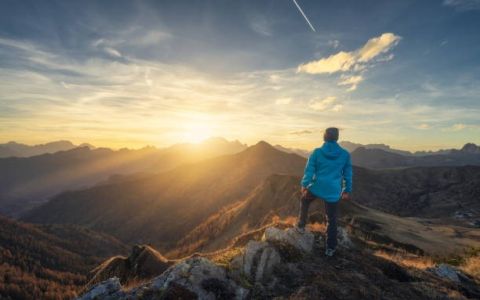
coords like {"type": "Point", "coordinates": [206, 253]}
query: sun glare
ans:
{"type": "Point", "coordinates": [196, 133]}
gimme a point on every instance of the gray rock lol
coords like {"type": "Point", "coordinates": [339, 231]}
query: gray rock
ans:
{"type": "Point", "coordinates": [259, 260]}
{"type": "Point", "coordinates": [252, 253]}
{"type": "Point", "coordinates": [200, 276]}
{"type": "Point", "coordinates": [268, 260]}
{"type": "Point", "coordinates": [102, 290]}
{"type": "Point", "coordinates": [343, 238]}
{"type": "Point", "coordinates": [447, 272]}
{"type": "Point", "coordinates": [195, 277]}
{"type": "Point", "coordinates": [303, 242]}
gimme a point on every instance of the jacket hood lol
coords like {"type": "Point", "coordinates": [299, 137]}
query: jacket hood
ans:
{"type": "Point", "coordinates": [331, 150]}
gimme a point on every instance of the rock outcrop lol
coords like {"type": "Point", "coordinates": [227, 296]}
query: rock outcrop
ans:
{"type": "Point", "coordinates": [143, 263]}
{"type": "Point", "coordinates": [285, 264]}
{"type": "Point", "coordinates": [198, 277]}
{"type": "Point", "coordinates": [302, 242]}
{"type": "Point", "coordinates": [103, 289]}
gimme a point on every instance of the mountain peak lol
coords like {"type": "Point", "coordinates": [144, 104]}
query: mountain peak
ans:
{"type": "Point", "coordinates": [470, 148]}
{"type": "Point", "coordinates": [263, 144]}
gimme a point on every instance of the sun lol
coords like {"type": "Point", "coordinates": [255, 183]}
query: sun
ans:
{"type": "Point", "coordinates": [196, 132]}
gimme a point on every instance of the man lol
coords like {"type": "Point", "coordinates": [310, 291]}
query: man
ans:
{"type": "Point", "coordinates": [328, 177]}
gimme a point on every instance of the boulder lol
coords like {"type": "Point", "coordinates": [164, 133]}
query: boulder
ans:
{"type": "Point", "coordinates": [102, 290]}
{"type": "Point", "coordinates": [259, 260]}
{"type": "Point", "coordinates": [303, 242]}
{"type": "Point", "coordinates": [202, 277]}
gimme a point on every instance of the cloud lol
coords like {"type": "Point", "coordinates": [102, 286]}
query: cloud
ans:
{"type": "Point", "coordinates": [342, 61]}
{"type": "Point", "coordinates": [325, 104]}
{"type": "Point", "coordinates": [463, 5]}
{"type": "Point", "coordinates": [458, 127]}
{"type": "Point", "coordinates": [355, 61]}
{"type": "Point", "coordinates": [112, 52]}
{"type": "Point", "coordinates": [260, 25]}
{"type": "Point", "coordinates": [461, 126]}
{"type": "Point", "coordinates": [334, 43]}
{"type": "Point", "coordinates": [376, 46]}
{"type": "Point", "coordinates": [351, 81]}
{"type": "Point", "coordinates": [423, 126]}
{"type": "Point", "coordinates": [301, 132]}
{"type": "Point", "coordinates": [345, 61]}
{"type": "Point", "coordinates": [337, 107]}
{"type": "Point", "coordinates": [283, 101]}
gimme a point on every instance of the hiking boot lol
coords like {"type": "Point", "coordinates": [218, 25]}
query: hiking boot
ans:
{"type": "Point", "coordinates": [329, 252]}
{"type": "Point", "coordinates": [300, 230]}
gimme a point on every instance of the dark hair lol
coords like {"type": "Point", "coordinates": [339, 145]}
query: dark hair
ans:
{"type": "Point", "coordinates": [331, 134]}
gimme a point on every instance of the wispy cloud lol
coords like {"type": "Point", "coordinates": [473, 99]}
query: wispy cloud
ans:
{"type": "Point", "coordinates": [261, 25]}
{"type": "Point", "coordinates": [351, 81]}
{"type": "Point", "coordinates": [328, 103]}
{"type": "Point", "coordinates": [112, 52]}
{"type": "Point", "coordinates": [456, 127]}
{"type": "Point", "coordinates": [334, 43]}
{"type": "Point", "coordinates": [463, 5]}
{"type": "Point", "coordinates": [423, 126]}
{"type": "Point", "coordinates": [345, 61]}
{"type": "Point", "coordinates": [301, 132]}
{"type": "Point", "coordinates": [354, 61]}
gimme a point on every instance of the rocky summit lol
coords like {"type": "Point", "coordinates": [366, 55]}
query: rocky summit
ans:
{"type": "Point", "coordinates": [284, 264]}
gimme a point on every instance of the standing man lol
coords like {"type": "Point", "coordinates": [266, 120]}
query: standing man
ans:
{"type": "Point", "coordinates": [328, 177]}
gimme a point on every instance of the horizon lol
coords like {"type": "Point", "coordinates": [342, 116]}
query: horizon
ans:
{"type": "Point", "coordinates": [131, 74]}
{"type": "Point", "coordinates": [78, 144]}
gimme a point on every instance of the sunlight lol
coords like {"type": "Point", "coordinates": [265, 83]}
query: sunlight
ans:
{"type": "Point", "coordinates": [196, 132]}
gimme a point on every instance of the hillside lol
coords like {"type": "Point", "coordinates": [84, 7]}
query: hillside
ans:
{"type": "Point", "coordinates": [28, 182]}
{"type": "Point", "coordinates": [49, 262]}
{"type": "Point", "coordinates": [432, 192]}
{"type": "Point", "coordinates": [277, 199]}
{"type": "Point", "coordinates": [158, 209]}
{"type": "Point", "coordinates": [375, 158]}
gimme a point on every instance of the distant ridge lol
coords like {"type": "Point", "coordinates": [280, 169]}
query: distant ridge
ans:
{"type": "Point", "coordinates": [26, 182]}
{"type": "Point", "coordinates": [380, 159]}
{"type": "Point", "coordinates": [14, 149]}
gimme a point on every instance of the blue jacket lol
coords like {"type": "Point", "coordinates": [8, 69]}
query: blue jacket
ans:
{"type": "Point", "coordinates": [328, 172]}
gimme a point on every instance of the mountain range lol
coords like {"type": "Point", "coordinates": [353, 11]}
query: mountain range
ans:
{"type": "Point", "coordinates": [169, 204]}
{"type": "Point", "coordinates": [26, 182]}
{"type": "Point", "coordinates": [351, 147]}
{"type": "Point", "coordinates": [242, 191]}
{"type": "Point", "coordinates": [14, 149]}
{"type": "Point", "coordinates": [375, 158]}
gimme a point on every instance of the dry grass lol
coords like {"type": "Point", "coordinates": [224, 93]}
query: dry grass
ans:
{"type": "Point", "coordinates": [134, 283]}
{"type": "Point", "coordinates": [317, 227]}
{"type": "Point", "coordinates": [406, 259]}
{"type": "Point", "coordinates": [471, 266]}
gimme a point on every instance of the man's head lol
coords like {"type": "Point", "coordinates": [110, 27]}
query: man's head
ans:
{"type": "Point", "coordinates": [331, 134]}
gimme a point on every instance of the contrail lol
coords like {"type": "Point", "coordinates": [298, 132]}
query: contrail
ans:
{"type": "Point", "coordinates": [305, 16]}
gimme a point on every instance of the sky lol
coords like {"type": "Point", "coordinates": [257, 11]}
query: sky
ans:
{"type": "Point", "coordinates": [134, 73]}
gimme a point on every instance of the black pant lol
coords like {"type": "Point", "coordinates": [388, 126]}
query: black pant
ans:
{"type": "Point", "coordinates": [331, 214]}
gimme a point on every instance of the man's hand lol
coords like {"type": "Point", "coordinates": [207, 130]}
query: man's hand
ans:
{"type": "Point", "coordinates": [345, 196]}
{"type": "Point", "coordinates": [304, 191]}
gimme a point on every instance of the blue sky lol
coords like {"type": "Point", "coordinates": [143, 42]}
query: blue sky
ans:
{"type": "Point", "coordinates": [131, 73]}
